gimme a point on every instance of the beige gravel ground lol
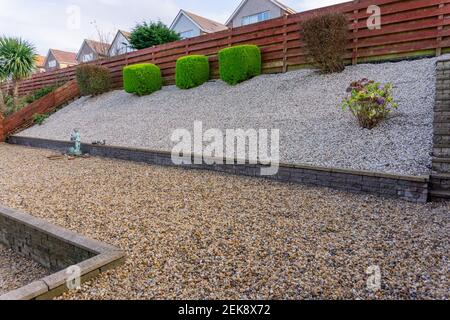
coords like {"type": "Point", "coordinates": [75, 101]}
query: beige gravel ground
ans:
{"type": "Point", "coordinates": [16, 271]}
{"type": "Point", "coordinates": [204, 235]}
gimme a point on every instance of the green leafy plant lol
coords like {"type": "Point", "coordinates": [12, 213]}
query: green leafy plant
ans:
{"type": "Point", "coordinates": [370, 102]}
{"type": "Point", "coordinates": [9, 105]}
{"type": "Point", "coordinates": [192, 71]}
{"type": "Point", "coordinates": [325, 37]}
{"type": "Point", "coordinates": [40, 118]}
{"type": "Point", "coordinates": [40, 93]}
{"type": "Point", "coordinates": [142, 79]}
{"type": "Point", "coordinates": [239, 63]}
{"type": "Point", "coordinates": [146, 35]}
{"type": "Point", "coordinates": [13, 105]}
{"type": "Point", "coordinates": [3, 106]}
{"type": "Point", "coordinates": [93, 80]}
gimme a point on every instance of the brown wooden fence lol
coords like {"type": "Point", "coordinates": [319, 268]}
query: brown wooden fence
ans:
{"type": "Point", "coordinates": [409, 28]}
{"type": "Point", "coordinates": [24, 118]}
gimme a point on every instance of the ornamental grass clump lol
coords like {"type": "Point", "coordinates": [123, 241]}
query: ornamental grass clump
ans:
{"type": "Point", "coordinates": [370, 102]}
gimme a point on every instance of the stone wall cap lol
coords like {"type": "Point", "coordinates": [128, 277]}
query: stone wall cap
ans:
{"type": "Point", "coordinates": [27, 292]}
{"type": "Point", "coordinates": [93, 246]}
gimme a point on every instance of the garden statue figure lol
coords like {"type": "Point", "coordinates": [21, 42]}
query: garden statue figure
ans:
{"type": "Point", "coordinates": [75, 137]}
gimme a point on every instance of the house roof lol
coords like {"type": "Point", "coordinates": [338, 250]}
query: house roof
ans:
{"type": "Point", "coordinates": [98, 47]}
{"type": "Point", "coordinates": [204, 24]}
{"type": "Point", "coordinates": [126, 34]}
{"type": "Point", "coordinates": [275, 2]}
{"type": "Point", "coordinates": [63, 56]}
{"type": "Point", "coordinates": [40, 61]}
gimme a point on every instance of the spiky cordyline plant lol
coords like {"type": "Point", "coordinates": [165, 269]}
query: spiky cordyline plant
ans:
{"type": "Point", "coordinates": [17, 60]}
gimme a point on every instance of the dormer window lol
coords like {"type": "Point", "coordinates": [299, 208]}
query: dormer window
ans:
{"type": "Point", "coordinates": [52, 64]}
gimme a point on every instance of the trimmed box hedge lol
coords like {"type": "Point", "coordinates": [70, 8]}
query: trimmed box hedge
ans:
{"type": "Point", "coordinates": [142, 79]}
{"type": "Point", "coordinates": [192, 71]}
{"type": "Point", "coordinates": [239, 63]}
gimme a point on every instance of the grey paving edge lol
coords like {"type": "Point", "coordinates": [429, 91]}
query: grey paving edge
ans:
{"type": "Point", "coordinates": [409, 188]}
{"type": "Point", "coordinates": [28, 230]}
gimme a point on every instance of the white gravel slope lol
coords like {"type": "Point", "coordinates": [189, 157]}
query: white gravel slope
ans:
{"type": "Point", "coordinates": [304, 105]}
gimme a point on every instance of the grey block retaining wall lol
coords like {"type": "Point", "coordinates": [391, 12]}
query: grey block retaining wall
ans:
{"type": "Point", "coordinates": [49, 251]}
{"type": "Point", "coordinates": [54, 248]}
{"type": "Point", "coordinates": [440, 180]}
{"type": "Point", "coordinates": [409, 188]}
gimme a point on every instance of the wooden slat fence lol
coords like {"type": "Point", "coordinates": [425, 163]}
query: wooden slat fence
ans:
{"type": "Point", "coordinates": [409, 28]}
{"type": "Point", "coordinates": [49, 103]}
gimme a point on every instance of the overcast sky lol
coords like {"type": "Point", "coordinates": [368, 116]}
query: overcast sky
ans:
{"type": "Point", "coordinates": [55, 23]}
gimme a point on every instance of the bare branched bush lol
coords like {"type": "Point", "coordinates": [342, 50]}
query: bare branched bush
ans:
{"type": "Point", "coordinates": [325, 37]}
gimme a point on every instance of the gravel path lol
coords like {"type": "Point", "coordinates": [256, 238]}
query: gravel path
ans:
{"type": "Point", "coordinates": [304, 105]}
{"type": "Point", "coordinates": [17, 271]}
{"type": "Point", "coordinates": [204, 235]}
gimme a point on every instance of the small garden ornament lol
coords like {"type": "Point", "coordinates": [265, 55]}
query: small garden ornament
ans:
{"type": "Point", "coordinates": [75, 137]}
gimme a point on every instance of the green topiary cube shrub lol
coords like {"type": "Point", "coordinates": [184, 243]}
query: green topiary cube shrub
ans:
{"type": "Point", "coordinates": [142, 79]}
{"type": "Point", "coordinates": [93, 80]}
{"type": "Point", "coordinates": [254, 60]}
{"type": "Point", "coordinates": [192, 71]}
{"type": "Point", "coordinates": [239, 63]}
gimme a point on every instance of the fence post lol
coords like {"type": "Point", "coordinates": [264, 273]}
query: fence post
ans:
{"type": "Point", "coordinates": [230, 37]}
{"type": "Point", "coordinates": [54, 101]}
{"type": "Point", "coordinates": [439, 38]}
{"type": "Point", "coordinates": [285, 66]}
{"type": "Point", "coordinates": [2, 126]}
{"type": "Point", "coordinates": [355, 37]}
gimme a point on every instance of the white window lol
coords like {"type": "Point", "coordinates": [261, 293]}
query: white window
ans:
{"type": "Point", "coordinates": [88, 57]}
{"type": "Point", "coordinates": [187, 34]}
{"type": "Point", "coordinates": [262, 16]}
{"type": "Point", "coordinates": [52, 64]}
{"type": "Point", "coordinates": [123, 47]}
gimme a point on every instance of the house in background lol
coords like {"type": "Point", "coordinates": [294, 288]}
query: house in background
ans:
{"type": "Point", "coordinates": [121, 44]}
{"type": "Point", "coordinates": [253, 11]}
{"type": "Point", "coordinates": [40, 64]}
{"type": "Point", "coordinates": [57, 59]}
{"type": "Point", "coordinates": [92, 50]}
{"type": "Point", "coordinates": [189, 25]}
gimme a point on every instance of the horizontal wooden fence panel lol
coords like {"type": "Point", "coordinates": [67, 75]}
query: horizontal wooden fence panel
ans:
{"type": "Point", "coordinates": [409, 28]}
{"type": "Point", "coordinates": [24, 117]}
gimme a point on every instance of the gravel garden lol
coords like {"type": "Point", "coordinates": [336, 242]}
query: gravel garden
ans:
{"type": "Point", "coordinates": [203, 235]}
{"type": "Point", "coordinates": [304, 105]}
{"type": "Point", "coordinates": [16, 271]}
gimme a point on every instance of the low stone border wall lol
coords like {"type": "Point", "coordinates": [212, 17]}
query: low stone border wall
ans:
{"type": "Point", "coordinates": [440, 180]}
{"type": "Point", "coordinates": [410, 188]}
{"type": "Point", "coordinates": [54, 248]}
